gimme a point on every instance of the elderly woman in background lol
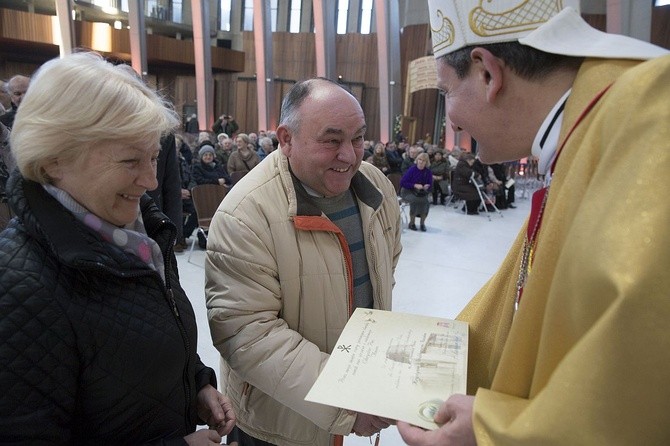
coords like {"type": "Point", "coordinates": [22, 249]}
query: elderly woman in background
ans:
{"type": "Point", "coordinates": [265, 147]}
{"type": "Point", "coordinates": [379, 160]}
{"type": "Point", "coordinates": [415, 185]}
{"type": "Point", "coordinates": [244, 158]}
{"type": "Point", "coordinates": [208, 170]}
{"type": "Point", "coordinates": [97, 338]}
{"type": "Point", "coordinates": [441, 175]}
{"type": "Point", "coordinates": [462, 183]}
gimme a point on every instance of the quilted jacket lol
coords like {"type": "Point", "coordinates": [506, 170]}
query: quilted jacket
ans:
{"type": "Point", "coordinates": [94, 347]}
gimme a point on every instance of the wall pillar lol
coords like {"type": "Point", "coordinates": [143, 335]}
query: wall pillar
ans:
{"type": "Point", "coordinates": [204, 82]}
{"type": "Point", "coordinates": [630, 18]}
{"type": "Point", "coordinates": [267, 115]}
{"type": "Point", "coordinates": [138, 38]}
{"type": "Point", "coordinates": [67, 40]}
{"type": "Point", "coordinates": [325, 13]}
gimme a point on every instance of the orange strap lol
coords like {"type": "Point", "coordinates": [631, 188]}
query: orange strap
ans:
{"type": "Point", "coordinates": [338, 440]}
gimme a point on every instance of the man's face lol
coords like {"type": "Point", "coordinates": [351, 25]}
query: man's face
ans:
{"type": "Point", "coordinates": [326, 151]}
{"type": "Point", "coordinates": [487, 120]}
{"type": "Point", "coordinates": [17, 90]}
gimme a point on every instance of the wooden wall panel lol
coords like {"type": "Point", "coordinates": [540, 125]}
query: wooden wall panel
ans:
{"type": "Point", "coordinates": [415, 42]}
{"type": "Point", "coordinates": [21, 25]}
{"type": "Point", "coordinates": [660, 26]}
{"type": "Point", "coordinates": [357, 58]}
{"type": "Point", "coordinates": [246, 111]}
{"type": "Point", "coordinates": [357, 63]}
{"type": "Point", "coordinates": [294, 55]}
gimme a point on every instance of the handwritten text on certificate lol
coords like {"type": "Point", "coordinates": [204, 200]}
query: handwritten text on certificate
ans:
{"type": "Point", "coordinates": [395, 365]}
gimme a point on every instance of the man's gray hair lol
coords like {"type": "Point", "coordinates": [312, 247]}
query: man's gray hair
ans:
{"type": "Point", "coordinates": [296, 96]}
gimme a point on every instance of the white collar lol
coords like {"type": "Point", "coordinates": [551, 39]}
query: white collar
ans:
{"type": "Point", "coordinates": [545, 144]}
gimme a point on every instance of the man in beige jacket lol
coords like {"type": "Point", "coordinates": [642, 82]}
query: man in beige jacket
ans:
{"type": "Point", "coordinates": [302, 240]}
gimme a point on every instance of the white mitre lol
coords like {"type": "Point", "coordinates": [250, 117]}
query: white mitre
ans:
{"type": "Point", "coordinates": [552, 26]}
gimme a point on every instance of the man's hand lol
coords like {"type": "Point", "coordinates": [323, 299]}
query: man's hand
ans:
{"type": "Point", "coordinates": [366, 425]}
{"type": "Point", "coordinates": [204, 437]}
{"type": "Point", "coordinates": [216, 410]}
{"type": "Point", "coordinates": [455, 418]}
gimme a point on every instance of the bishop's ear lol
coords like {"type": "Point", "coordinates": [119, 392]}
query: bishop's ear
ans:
{"type": "Point", "coordinates": [490, 71]}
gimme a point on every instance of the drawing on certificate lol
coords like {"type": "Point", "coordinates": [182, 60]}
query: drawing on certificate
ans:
{"type": "Point", "coordinates": [395, 365]}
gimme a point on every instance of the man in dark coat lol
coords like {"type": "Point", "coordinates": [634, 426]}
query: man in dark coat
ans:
{"type": "Point", "coordinates": [167, 195]}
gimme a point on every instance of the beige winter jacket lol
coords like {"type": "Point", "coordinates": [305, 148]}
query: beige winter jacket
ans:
{"type": "Point", "coordinates": [279, 292]}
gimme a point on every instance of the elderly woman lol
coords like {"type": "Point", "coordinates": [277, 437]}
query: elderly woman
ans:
{"type": "Point", "coordinates": [265, 148]}
{"type": "Point", "coordinates": [415, 185]}
{"type": "Point", "coordinates": [244, 158]}
{"type": "Point", "coordinates": [97, 337]}
{"type": "Point", "coordinates": [462, 185]}
{"type": "Point", "coordinates": [379, 159]}
{"type": "Point", "coordinates": [441, 174]}
{"type": "Point", "coordinates": [208, 170]}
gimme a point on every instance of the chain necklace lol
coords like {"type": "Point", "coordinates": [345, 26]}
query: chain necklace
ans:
{"type": "Point", "coordinates": [539, 202]}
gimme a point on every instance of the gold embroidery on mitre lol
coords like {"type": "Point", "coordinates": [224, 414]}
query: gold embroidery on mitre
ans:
{"type": "Point", "coordinates": [526, 16]}
{"type": "Point", "coordinates": [444, 36]}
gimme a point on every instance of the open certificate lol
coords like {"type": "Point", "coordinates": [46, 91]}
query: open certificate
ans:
{"type": "Point", "coordinates": [395, 365]}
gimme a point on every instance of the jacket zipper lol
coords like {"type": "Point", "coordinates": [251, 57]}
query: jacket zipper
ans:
{"type": "Point", "coordinates": [169, 295]}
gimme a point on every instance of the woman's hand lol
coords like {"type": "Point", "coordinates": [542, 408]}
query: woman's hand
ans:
{"type": "Point", "coordinates": [418, 186]}
{"type": "Point", "coordinates": [425, 186]}
{"type": "Point", "coordinates": [216, 410]}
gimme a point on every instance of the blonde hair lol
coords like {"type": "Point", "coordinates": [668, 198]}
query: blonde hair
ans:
{"type": "Point", "coordinates": [81, 101]}
{"type": "Point", "coordinates": [423, 156]}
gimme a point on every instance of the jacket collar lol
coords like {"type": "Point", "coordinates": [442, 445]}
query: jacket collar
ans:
{"type": "Point", "coordinates": [46, 220]}
{"type": "Point", "coordinates": [361, 186]}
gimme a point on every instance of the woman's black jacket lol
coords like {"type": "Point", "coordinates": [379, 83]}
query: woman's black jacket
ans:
{"type": "Point", "coordinates": [94, 347]}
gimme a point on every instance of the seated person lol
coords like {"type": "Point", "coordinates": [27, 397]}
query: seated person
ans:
{"type": "Point", "coordinates": [244, 158]}
{"type": "Point", "coordinates": [505, 197]}
{"type": "Point", "coordinates": [441, 174]}
{"type": "Point", "coordinates": [462, 187]}
{"type": "Point", "coordinates": [416, 184]}
{"type": "Point", "coordinates": [207, 170]}
{"type": "Point", "coordinates": [379, 160]}
{"type": "Point", "coordinates": [393, 156]}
